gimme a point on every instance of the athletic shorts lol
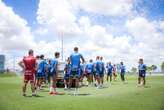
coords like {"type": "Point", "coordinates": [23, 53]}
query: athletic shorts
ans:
{"type": "Point", "coordinates": [101, 75]}
{"type": "Point", "coordinates": [28, 78]}
{"type": "Point", "coordinates": [40, 75]}
{"type": "Point", "coordinates": [89, 74]}
{"type": "Point", "coordinates": [66, 76]}
{"type": "Point", "coordinates": [74, 74]}
{"type": "Point", "coordinates": [51, 75]}
{"type": "Point", "coordinates": [109, 73]}
{"type": "Point", "coordinates": [142, 73]}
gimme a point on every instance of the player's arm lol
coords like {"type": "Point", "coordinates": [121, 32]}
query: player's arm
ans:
{"type": "Point", "coordinates": [21, 64]}
{"type": "Point", "coordinates": [82, 58]}
{"type": "Point", "coordinates": [56, 68]}
{"type": "Point", "coordinates": [46, 67]}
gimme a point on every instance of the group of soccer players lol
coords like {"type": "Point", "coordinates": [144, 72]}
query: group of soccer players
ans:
{"type": "Point", "coordinates": [37, 70]}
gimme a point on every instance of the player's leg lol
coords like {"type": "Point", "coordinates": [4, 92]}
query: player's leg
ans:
{"type": "Point", "coordinates": [144, 81]}
{"type": "Point", "coordinates": [24, 87]}
{"type": "Point", "coordinates": [139, 78]}
{"type": "Point", "coordinates": [107, 77]}
{"type": "Point", "coordinates": [111, 77]}
{"type": "Point", "coordinates": [98, 80]}
{"type": "Point", "coordinates": [31, 78]}
{"type": "Point", "coordinates": [90, 78]}
{"type": "Point", "coordinates": [54, 82]}
{"type": "Point", "coordinates": [122, 77]}
{"type": "Point", "coordinates": [102, 79]}
{"type": "Point", "coordinates": [51, 85]}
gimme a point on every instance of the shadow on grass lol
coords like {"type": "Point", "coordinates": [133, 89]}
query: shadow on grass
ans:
{"type": "Point", "coordinates": [79, 94]}
{"type": "Point", "coordinates": [37, 96]}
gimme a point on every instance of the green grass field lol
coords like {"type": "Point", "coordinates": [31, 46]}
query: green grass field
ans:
{"type": "Point", "coordinates": [117, 96]}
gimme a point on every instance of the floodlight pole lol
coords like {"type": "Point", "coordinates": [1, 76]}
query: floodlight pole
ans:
{"type": "Point", "coordinates": [62, 47]}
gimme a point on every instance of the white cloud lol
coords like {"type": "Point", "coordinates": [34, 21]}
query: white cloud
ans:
{"type": "Point", "coordinates": [104, 7]}
{"type": "Point", "coordinates": [58, 16]}
{"type": "Point", "coordinates": [161, 25]}
{"type": "Point", "coordinates": [62, 17]}
{"type": "Point", "coordinates": [145, 31]}
{"type": "Point", "coordinates": [14, 32]}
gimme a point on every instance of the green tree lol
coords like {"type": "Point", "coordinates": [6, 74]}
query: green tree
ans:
{"type": "Point", "coordinates": [162, 66]}
{"type": "Point", "coordinates": [153, 67]}
{"type": "Point", "coordinates": [149, 69]}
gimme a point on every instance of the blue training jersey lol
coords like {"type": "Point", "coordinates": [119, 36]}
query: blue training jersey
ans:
{"type": "Point", "coordinates": [89, 68]}
{"type": "Point", "coordinates": [100, 66]}
{"type": "Point", "coordinates": [109, 68]}
{"type": "Point", "coordinates": [75, 60]}
{"type": "Point", "coordinates": [68, 68]}
{"type": "Point", "coordinates": [122, 68]}
{"type": "Point", "coordinates": [53, 65]}
{"type": "Point", "coordinates": [42, 66]}
{"type": "Point", "coordinates": [142, 67]}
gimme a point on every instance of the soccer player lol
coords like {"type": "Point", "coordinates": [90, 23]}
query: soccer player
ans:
{"type": "Point", "coordinates": [109, 71]}
{"type": "Point", "coordinates": [41, 71]}
{"type": "Point", "coordinates": [122, 74]}
{"type": "Point", "coordinates": [48, 70]}
{"type": "Point", "coordinates": [100, 71]}
{"type": "Point", "coordinates": [75, 60]}
{"type": "Point", "coordinates": [94, 78]}
{"type": "Point", "coordinates": [142, 73]}
{"type": "Point", "coordinates": [114, 72]}
{"type": "Point", "coordinates": [82, 74]}
{"type": "Point", "coordinates": [54, 73]}
{"type": "Point", "coordinates": [67, 71]}
{"type": "Point", "coordinates": [89, 71]}
{"type": "Point", "coordinates": [29, 66]}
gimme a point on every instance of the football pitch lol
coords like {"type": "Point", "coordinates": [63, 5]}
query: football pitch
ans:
{"type": "Point", "coordinates": [114, 96]}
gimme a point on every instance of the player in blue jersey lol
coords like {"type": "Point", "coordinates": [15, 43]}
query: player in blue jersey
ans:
{"type": "Point", "coordinates": [109, 71]}
{"type": "Point", "coordinates": [81, 74]}
{"type": "Point", "coordinates": [142, 73]}
{"type": "Point", "coordinates": [67, 71]}
{"type": "Point", "coordinates": [94, 78]}
{"type": "Point", "coordinates": [53, 73]}
{"type": "Point", "coordinates": [89, 71]}
{"type": "Point", "coordinates": [100, 71]}
{"type": "Point", "coordinates": [122, 71]}
{"type": "Point", "coordinates": [41, 71]}
{"type": "Point", "coordinates": [48, 70]}
{"type": "Point", "coordinates": [75, 60]}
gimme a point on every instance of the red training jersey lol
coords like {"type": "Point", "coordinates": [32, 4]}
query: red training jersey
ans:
{"type": "Point", "coordinates": [29, 63]}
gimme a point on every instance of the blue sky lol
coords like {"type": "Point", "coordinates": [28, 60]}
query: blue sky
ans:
{"type": "Point", "coordinates": [115, 29]}
{"type": "Point", "coordinates": [28, 8]}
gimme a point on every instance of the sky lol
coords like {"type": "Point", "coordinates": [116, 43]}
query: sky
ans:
{"type": "Point", "coordinates": [118, 30]}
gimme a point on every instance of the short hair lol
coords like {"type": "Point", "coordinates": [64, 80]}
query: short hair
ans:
{"type": "Point", "coordinates": [98, 57]}
{"type": "Point", "coordinates": [141, 59]}
{"type": "Point", "coordinates": [57, 54]}
{"type": "Point", "coordinates": [121, 63]}
{"type": "Point", "coordinates": [41, 56]}
{"type": "Point", "coordinates": [30, 52]}
{"type": "Point", "coordinates": [90, 60]}
{"type": "Point", "coordinates": [37, 56]}
{"type": "Point", "coordinates": [76, 49]}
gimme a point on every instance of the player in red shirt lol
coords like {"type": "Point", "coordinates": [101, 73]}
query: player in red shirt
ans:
{"type": "Point", "coordinates": [29, 67]}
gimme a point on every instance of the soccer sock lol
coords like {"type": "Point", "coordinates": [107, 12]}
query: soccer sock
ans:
{"type": "Point", "coordinates": [65, 85]}
{"type": "Point", "coordinates": [51, 89]}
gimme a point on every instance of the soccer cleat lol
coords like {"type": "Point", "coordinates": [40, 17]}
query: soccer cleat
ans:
{"type": "Point", "coordinates": [51, 93]}
{"type": "Point", "coordinates": [24, 95]}
{"type": "Point", "coordinates": [34, 95]}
